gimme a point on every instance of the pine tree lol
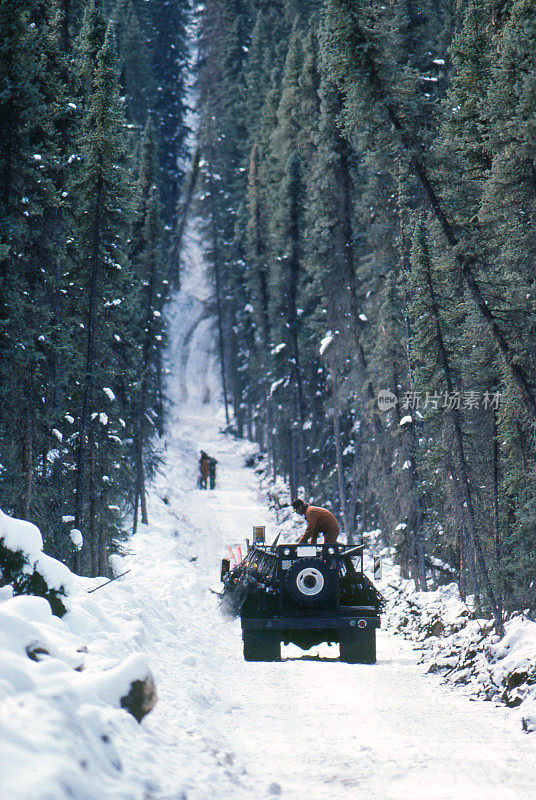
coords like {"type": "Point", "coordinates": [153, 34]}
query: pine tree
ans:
{"type": "Point", "coordinates": [145, 248]}
{"type": "Point", "coordinates": [369, 80]}
{"type": "Point", "coordinates": [288, 230]}
{"type": "Point", "coordinates": [438, 373]}
{"type": "Point", "coordinates": [257, 257]}
{"type": "Point", "coordinates": [69, 304]}
{"type": "Point", "coordinates": [89, 43]}
{"type": "Point", "coordinates": [136, 75]}
{"type": "Point", "coordinates": [507, 217]}
{"type": "Point", "coordinates": [35, 113]}
{"type": "Point", "coordinates": [267, 39]}
{"type": "Point", "coordinates": [101, 268]}
{"type": "Point", "coordinates": [166, 30]}
{"type": "Point", "coordinates": [464, 154]}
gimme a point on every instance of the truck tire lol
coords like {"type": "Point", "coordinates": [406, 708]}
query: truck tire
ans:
{"type": "Point", "coordinates": [309, 582]}
{"type": "Point", "coordinates": [261, 646]}
{"type": "Point", "coordinates": [358, 648]}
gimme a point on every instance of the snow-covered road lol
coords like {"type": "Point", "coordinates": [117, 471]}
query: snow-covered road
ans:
{"type": "Point", "coordinates": [307, 728]}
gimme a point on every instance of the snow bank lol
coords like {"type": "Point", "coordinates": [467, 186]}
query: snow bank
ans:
{"type": "Point", "coordinates": [464, 650]}
{"type": "Point", "coordinates": [58, 698]}
{"type": "Point", "coordinates": [419, 615]}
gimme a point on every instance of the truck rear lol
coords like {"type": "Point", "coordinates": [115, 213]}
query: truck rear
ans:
{"type": "Point", "coordinates": [305, 595]}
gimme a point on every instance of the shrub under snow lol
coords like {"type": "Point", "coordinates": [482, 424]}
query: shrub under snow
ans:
{"type": "Point", "coordinates": [25, 567]}
{"type": "Point", "coordinates": [56, 697]}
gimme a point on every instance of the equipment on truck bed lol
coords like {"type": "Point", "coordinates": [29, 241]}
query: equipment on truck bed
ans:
{"type": "Point", "coordinates": [304, 594]}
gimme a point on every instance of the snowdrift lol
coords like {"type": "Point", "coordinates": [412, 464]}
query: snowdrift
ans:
{"type": "Point", "coordinates": [55, 707]}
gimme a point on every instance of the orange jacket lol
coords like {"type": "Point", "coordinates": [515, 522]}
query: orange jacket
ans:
{"type": "Point", "coordinates": [320, 520]}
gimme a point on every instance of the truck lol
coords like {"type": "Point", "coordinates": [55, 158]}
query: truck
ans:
{"type": "Point", "coordinates": [303, 594]}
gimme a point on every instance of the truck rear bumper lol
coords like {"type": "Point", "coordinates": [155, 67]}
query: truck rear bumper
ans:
{"type": "Point", "coordinates": [354, 622]}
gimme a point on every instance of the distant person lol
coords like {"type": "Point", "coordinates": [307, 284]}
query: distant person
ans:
{"type": "Point", "coordinates": [204, 469]}
{"type": "Point", "coordinates": [319, 520]}
{"type": "Point", "coordinates": [212, 472]}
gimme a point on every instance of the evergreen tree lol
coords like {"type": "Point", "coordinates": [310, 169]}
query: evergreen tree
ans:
{"type": "Point", "coordinates": [507, 218]}
{"type": "Point", "coordinates": [146, 258]}
{"type": "Point", "coordinates": [89, 43]}
{"type": "Point", "coordinates": [36, 114]}
{"type": "Point", "coordinates": [136, 75]}
{"type": "Point", "coordinates": [69, 304]}
{"type": "Point", "coordinates": [166, 31]}
{"type": "Point", "coordinates": [101, 268]}
{"type": "Point", "coordinates": [439, 374]}
{"type": "Point", "coordinates": [288, 224]}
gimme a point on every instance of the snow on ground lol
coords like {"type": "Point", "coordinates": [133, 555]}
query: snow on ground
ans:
{"type": "Point", "coordinates": [307, 728]}
{"type": "Point", "coordinates": [56, 700]}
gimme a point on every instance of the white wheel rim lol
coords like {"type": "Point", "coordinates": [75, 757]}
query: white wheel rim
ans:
{"type": "Point", "coordinates": [310, 581]}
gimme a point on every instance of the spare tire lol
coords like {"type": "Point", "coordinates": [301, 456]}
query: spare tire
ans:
{"type": "Point", "coordinates": [309, 582]}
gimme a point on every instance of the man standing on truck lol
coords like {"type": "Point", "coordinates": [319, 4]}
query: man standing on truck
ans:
{"type": "Point", "coordinates": [319, 520]}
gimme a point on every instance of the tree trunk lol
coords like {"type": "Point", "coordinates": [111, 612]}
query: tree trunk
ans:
{"type": "Point", "coordinates": [90, 356]}
{"type": "Point", "coordinates": [27, 463]}
{"type": "Point", "coordinates": [159, 403]}
{"type": "Point", "coordinates": [182, 218]}
{"type": "Point", "coordinates": [338, 454]}
{"type": "Point", "coordinates": [259, 248]}
{"type": "Point", "coordinates": [143, 500]}
{"type": "Point", "coordinates": [292, 321]}
{"type": "Point", "coordinates": [496, 524]}
{"type": "Point", "coordinates": [417, 501]}
{"type": "Point", "coordinates": [354, 496]}
{"type": "Point", "coordinates": [416, 525]}
{"type": "Point", "coordinates": [496, 528]}
{"type": "Point", "coordinates": [139, 496]}
{"type": "Point", "coordinates": [104, 566]}
{"type": "Point", "coordinates": [144, 388]}
{"type": "Point", "coordinates": [136, 511]}
{"type": "Point", "coordinates": [468, 576]}
{"type": "Point", "coordinates": [461, 565]}
{"type": "Point", "coordinates": [217, 271]}
{"type": "Point", "coordinates": [94, 523]}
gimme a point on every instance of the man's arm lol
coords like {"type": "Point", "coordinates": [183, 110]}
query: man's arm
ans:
{"type": "Point", "coordinates": [310, 529]}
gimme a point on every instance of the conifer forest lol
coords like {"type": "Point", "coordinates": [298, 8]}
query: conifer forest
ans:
{"type": "Point", "coordinates": [362, 175]}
